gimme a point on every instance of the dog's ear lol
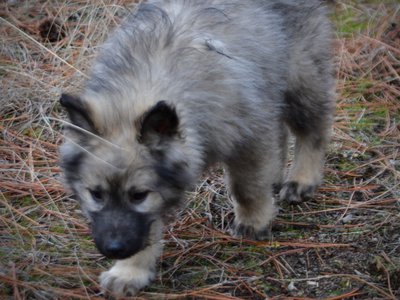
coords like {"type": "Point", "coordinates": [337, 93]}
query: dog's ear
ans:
{"type": "Point", "coordinates": [78, 112]}
{"type": "Point", "coordinates": [159, 124]}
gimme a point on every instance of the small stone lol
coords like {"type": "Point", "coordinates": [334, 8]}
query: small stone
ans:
{"type": "Point", "coordinates": [313, 283]}
{"type": "Point", "coordinates": [347, 219]}
{"type": "Point", "coordinates": [291, 286]}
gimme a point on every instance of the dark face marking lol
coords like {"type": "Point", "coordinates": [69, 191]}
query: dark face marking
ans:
{"type": "Point", "coordinates": [173, 176]}
{"type": "Point", "coordinates": [120, 232]}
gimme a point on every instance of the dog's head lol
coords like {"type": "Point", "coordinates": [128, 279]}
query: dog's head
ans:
{"type": "Point", "coordinates": [127, 172]}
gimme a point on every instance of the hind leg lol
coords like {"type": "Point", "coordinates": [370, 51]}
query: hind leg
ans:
{"type": "Point", "coordinates": [250, 182]}
{"type": "Point", "coordinates": [311, 122]}
{"type": "Point", "coordinates": [306, 172]}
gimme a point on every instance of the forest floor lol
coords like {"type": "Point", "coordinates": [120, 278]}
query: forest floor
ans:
{"type": "Point", "coordinates": [343, 244]}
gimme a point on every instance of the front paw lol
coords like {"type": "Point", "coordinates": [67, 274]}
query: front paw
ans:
{"type": "Point", "coordinates": [247, 231]}
{"type": "Point", "coordinates": [125, 280]}
{"type": "Point", "coordinates": [294, 192]}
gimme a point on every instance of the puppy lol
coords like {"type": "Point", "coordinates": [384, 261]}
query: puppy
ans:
{"type": "Point", "coordinates": [181, 85]}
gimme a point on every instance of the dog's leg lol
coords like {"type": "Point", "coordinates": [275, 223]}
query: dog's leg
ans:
{"type": "Point", "coordinates": [250, 182]}
{"type": "Point", "coordinates": [130, 275]}
{"type": "Point", "coordinates": [306, 172]}
{"type": "Point", "coordinates": [310, 120]}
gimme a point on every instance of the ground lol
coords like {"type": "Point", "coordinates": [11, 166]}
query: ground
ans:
{"type": "Point", "coordinates": [343, 244]}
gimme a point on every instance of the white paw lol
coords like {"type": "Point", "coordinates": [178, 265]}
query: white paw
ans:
{"type": "Point", "coordinates": [125, 280]}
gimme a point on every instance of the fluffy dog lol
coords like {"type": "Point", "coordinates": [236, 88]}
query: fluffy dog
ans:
{"type": "Point", "coordinates": [181, 85]}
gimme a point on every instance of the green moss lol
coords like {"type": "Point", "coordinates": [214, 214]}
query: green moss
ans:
{"type": "Point", "coordinates": [349, 23]}
{"type": "Point", "coordinates": [336, 293]}
{"type": "Point", "coordinates": [364, 85]}
{"type": "Point", "coordinates": [268, 287]}
{"type": "Point", "coordinates": [346, 165]}
{"type": "Point", "coordinates": [35, 133]}
{"type": "Point", "coordinates": [58, 228]}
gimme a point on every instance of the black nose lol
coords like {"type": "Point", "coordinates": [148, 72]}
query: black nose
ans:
{"type": "Point", "coordinates": [114, 249]}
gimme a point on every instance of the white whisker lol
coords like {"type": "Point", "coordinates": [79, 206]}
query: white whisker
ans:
{"type": "Point", "coordinates": [87, 132]}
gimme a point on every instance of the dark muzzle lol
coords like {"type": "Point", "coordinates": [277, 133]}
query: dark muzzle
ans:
{"type": "Point", "coordinates": [120, 233]}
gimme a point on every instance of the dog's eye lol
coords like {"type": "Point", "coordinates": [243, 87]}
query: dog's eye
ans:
{"type": "Point", "coordinates": [97, 195]}
{"type": "Point", "coordinates": [137, 197]}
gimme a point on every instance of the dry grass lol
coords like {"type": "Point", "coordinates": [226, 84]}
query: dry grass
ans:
{"type": "Point", "coordinates": [345, 244]}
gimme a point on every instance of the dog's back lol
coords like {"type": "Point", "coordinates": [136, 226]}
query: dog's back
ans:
{"type": "Point", "coordinates": [214, 58]}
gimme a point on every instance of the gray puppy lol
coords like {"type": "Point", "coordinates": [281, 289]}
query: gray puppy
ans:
{"type": "Point", "coordinates": [181, 85]}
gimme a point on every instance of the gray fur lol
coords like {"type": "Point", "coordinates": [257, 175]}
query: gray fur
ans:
{"type": "Point", "coordinates": [181, 85]}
